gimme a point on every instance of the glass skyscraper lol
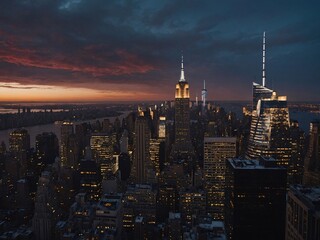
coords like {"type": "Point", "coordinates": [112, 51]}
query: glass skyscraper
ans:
{"type": "Point", "coordinates": [270, 123]}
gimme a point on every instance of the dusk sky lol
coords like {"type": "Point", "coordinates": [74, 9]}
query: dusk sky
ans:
{"type": "Point", "coordinates": [96, 50]}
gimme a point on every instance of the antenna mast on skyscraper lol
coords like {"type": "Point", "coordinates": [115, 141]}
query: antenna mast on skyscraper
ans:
{"type": "Point", "coordinates": [182, 79]}
{"type": "Point", "coordinates": [264, 60]}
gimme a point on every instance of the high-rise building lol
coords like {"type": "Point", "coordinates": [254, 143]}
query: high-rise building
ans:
{"type": "Point", "coordinates": [141, 160]}
{"type": "Point", "coordinates": [174, 226]}
{"type": "Point", "coordinates": [303, 213]}
{"type": "Point", "coordinates": [255, 199]}
{"type": "Point", "coordinates": [270, 124]}
{"type": "Point", "coordinates": [269, 131]}
{"type": "Point", "coordinates": [47, 147]}
{"type": "Point", "coordinates": [124, 142]}
{"type": "Point", "coordinates": [204, 93]}
{"type": "Point", "coordinates": [102, 150]}
{"type": "Point", "coordinates": [139, 200]}
{"type": "Point", "coordinates": [167, 201]}
{"type": "Point", "coordinates": [192, 202]}
{"type": "Point", "coordinates": [298, 147]}
{"type": "Point", "coordinates": [45, 212]}
{"type": "Point", "coordinates": [73, 155]}
{"type": "Point", "coordinates": [102, 145]}
{"type": "Point", "coordinates": [182, 147]}
{"type": "Point", "coordinates": [90, 179]}
{"type": "Point", "coordinates": [19, 145]}
{"type": "Point", "coordinates": [259, 92]}
{"type": "Point", "coordinates": [311, 175]}
{"type": "Point", "coordinates": [66, 131]}
{"type": "Point", "coordinates": [155, 154]}
{"type": "Point", "coordinates": [81, 214]}
{"type": "Point", "coordinates": [19, 141]}
{"type": "Point", "coordinates": [162, 127]}
{"type": "Point", "coordinates": [216, 152]}
{"type": "Point", "coordinates": [108, 217]}
{"type": "Point", "coordinates": [124, 165]}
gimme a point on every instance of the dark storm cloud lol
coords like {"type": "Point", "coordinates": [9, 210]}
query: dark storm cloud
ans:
{"type": "Point", "coordinates": [77, 42]}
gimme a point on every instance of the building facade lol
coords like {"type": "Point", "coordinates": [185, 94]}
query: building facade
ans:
{"type": "Point", "coordinates": [255, 199]}
{"type": "Point", "coordinates": [312, 159]}
{"type": "Point", "coordinates": [303, 213]}
{"type": "Point", "coordinates": [216, 152]}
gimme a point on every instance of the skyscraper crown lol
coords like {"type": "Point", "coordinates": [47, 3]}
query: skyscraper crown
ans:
{"type": "Point", "coordinates": [182, 79]}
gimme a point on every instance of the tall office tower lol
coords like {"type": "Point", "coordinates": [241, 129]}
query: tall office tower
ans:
{"type": "Point", "coordinates": [255, 199]}
{"type": "Point", "coordinates": [216, 152]}
{"type": "Point", "coordinates": [270, 130]}
{"type": "Point", "coordinates": [81, 214]}
{"type": "Point", "coordinates": [19, 144]}
{"type": "Point", "coordinates": [19, 141]}
{"type": "Point", "coordinates": [124, 166]}
{"type": "Point", "coordinates": [167, 201]}
{"type": "Point", "coordinates": [47, 148]}
{"type": "Point", "coordinates": [141, 159]}
{"type": "Point", "coordinates": [108, 217]}
{"type": "Point", "coordinates": [162, 127]}
{"type": "Point", "coordinates": [45, 212]}
{"type": "Point", "coordinates": [73, 155]}
{"type": "Point", "coordinates": [270, 123]}
{"type": "Point", "coordinates": [90, 179]}
{"type": "Point", "coordinates": [192, 202]}
{"type": "Point", "coordinates": [296, 164]}
{"type": "Point", "coordinates": [174, 226]}
{"type": "Point", "coordinates": [311, 175]}
{"type": "Point", "coordinates": [66, 131]}
{"type": "Point", "coordinates": [124, 141]}
{"type": "Point", "coordinates": [140, 229]}
{"type": "Point", "coordinates": [303, 213]}
{"type": "Point", "coordinates": [102, 150]}
{"type": "Point", "coordinates": [182, 147]}
{"type": "Point", "coordinates": [155, 154]}
{"type": "Point", "coordinates": [23, 196]}
{"type": "Point", "coordinates": [139, 200]}
{"type": "Point", "coordinates": [204, 93]}
{"type": "Point", "coordinates": [163, 136]}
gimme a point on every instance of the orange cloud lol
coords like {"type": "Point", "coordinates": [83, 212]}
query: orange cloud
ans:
{"type": "Point", "coordinates": [14, 92]}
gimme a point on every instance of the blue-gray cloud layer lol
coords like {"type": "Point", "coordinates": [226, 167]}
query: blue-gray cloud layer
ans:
{"type": "Point", "coordinates": [73, 42]}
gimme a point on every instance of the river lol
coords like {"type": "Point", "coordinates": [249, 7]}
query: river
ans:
{"type": "Point", "coordinates": [53, 127]}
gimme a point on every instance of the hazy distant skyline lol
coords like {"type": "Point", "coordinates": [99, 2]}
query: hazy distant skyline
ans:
{"type": "Point", "coordinates": [81, 50]}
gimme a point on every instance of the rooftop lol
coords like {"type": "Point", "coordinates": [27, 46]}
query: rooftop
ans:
{"type": "Point", "coordinates": [220, 139]}
{"type": "Point", "coordinates": [253, 164]}
{"type": "Point", "coordinates": [310, 194]}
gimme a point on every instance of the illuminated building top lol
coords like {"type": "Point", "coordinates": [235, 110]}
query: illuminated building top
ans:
{"type": "Point", "coordinates": [182, 87]}
{"type": "Point", "coordinates": [182, 145]}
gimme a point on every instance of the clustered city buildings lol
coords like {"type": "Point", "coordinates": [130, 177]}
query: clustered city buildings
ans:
{"type": "Point", "coordinates": [177, 170]}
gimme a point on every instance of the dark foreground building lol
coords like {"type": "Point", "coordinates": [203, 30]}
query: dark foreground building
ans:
{"type": "Point", "coordinates": [255, 199]}
{"type": "Point", "coordinates": [303, 213]}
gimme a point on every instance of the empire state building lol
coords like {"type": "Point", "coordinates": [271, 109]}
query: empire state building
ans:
{"type": "Point", "coordinates": [182, 148]}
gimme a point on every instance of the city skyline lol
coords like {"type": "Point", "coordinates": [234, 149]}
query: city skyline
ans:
{"type": "Point", "coordinates": [78, 50]}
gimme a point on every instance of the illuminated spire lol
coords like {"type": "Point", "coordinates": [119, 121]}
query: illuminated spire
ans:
{"type": "Point", "coordinates": [264, 60]}
{"type": "Point", "coordinates": [182, 71]}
